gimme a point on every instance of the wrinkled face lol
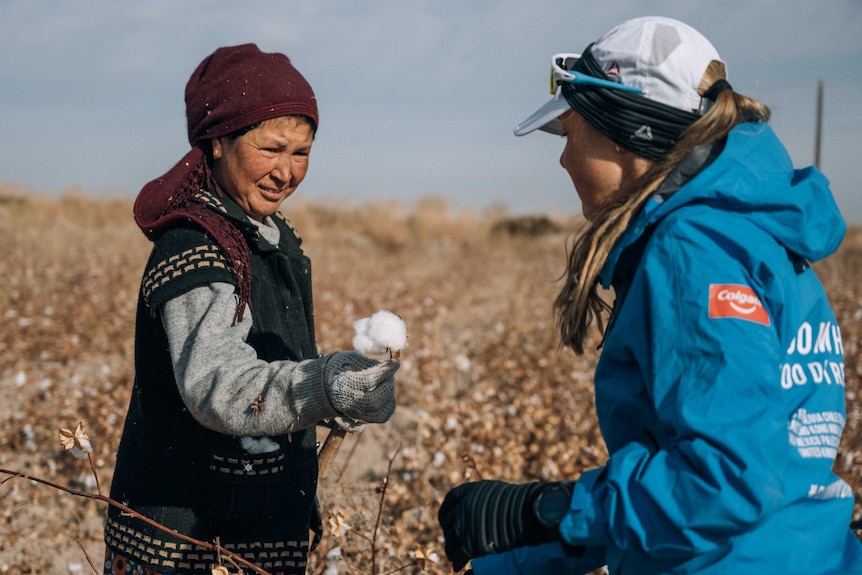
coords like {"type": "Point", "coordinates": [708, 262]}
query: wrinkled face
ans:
{"type": "Point", "coordinates": [262, 167]}
{"type": "Point", "coordinates": [599, 169]}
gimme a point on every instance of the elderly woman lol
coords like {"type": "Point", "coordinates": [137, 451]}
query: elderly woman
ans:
{"type": "Point", "coordinates": [219, 440]}
{"type": "Point", "coordinates": [720, 386]}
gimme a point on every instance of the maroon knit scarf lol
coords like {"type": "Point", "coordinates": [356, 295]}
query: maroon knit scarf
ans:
{"type": "Point", "coordinates": [174, 199]}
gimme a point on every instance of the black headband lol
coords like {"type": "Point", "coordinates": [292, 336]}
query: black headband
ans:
{"type": "Point", "coordinates": [632, 121]}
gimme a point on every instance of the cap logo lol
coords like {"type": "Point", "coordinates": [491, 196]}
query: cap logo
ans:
{"type": "Point", "coordinates": [643, 133]}
{"type": "Point", "coordinates": [613, 70]}
{"type": "Point", "coordinates": [736, 301]}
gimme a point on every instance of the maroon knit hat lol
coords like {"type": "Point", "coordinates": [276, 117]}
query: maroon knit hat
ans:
{"type": "Point", "coordinates": [237, 86]}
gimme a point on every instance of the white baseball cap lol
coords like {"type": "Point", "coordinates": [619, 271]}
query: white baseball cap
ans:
{"type": "Point", "coordinates": [663, 57]}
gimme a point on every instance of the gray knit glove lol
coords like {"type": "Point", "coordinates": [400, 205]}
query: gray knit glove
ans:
{"type": "Point", "coordinates": [359, 387]}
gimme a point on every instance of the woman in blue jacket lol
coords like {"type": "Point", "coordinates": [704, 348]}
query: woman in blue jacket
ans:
{"type": "Point", "coordinates": [720, 387]}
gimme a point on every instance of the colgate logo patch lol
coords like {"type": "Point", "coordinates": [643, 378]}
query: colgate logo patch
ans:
{"type": "Point", "coordinates": [738, 301]}
{"type": "Point", "coordinates": [613, 70]}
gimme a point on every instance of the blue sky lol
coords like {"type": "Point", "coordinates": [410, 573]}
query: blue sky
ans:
{"type": "Point", "coordinates": [416, 97]}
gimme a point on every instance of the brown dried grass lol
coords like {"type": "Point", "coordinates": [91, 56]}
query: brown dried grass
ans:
{"type": "Point", "coordinates": [482, 375]}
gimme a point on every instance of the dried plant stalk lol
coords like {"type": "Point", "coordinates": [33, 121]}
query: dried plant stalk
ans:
{"type": "Point", "coordinates": [330, 448]}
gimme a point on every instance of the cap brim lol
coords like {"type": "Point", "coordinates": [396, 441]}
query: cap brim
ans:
{"type": "Point", "coordinates": [546, 118]}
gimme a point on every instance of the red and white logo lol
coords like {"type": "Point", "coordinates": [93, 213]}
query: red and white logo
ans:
{"type": "Point", "coordinates": [613, 70]}
{"type": "Point", "coordinates": [736, 301]}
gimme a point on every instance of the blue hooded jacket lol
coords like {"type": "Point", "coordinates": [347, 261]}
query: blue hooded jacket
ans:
{"type": "Point", "coordinates": [720, 388]}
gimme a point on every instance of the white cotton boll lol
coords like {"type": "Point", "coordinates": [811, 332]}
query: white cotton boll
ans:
{"type": "Point", "coordinates": [365, 344]}
{"type": "Point", "coordinates": [384, 331]}
{"type": "Point", "coordinates": [332, 557]}
{"type": "Point", "coordinates": [362, 341]}
{"type": "Point", "coordinates": [463, 363]}
{"type": "Point", "coordinates": [256, 445]}
{"type": "Point", "coordinates": [361, 325]}
{"type": "Point", "coordinates": [82, 448]}
{"type": "Point", "coordinates": [387, 329]}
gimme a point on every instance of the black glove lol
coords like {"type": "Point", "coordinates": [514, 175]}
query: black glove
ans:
{"type": "Point", "coordinates": [491, 517]}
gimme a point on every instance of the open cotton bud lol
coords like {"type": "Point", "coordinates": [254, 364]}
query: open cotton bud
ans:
{"type": "Point", "coordinates": [382, 332]}
{"type": "Point", "coordinates": [76, 441]}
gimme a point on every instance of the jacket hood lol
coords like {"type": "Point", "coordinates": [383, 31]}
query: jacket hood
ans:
{"type": "Point", "coordinates": [754, 176]}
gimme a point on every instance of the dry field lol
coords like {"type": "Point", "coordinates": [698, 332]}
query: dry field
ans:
{"type": "Point", "coordinates": [483, 390]}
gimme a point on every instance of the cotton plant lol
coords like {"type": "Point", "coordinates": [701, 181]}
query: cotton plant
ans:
{"type": "Point", "coordinates": [383, 332]}
{"type": "Point", "coordinates": [77, 442]}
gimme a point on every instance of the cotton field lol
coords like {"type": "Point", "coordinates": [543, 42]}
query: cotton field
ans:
{"type": "Point", "coordinates": [484, 391]}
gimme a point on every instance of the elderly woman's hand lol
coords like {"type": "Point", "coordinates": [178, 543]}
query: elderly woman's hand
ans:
{"type": "Point", "coordinates": [359, 387]}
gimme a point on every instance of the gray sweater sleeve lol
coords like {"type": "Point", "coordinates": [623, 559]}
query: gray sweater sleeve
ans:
{"type": "Point", "coordinates": [220, 378]}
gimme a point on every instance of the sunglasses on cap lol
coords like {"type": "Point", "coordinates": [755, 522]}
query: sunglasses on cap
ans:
{"type": "Point", "coordinates": [561, 71]}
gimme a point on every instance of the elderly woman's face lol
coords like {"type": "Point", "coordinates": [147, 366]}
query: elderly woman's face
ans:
{"type": "Point", "coordinates": [261, 168]}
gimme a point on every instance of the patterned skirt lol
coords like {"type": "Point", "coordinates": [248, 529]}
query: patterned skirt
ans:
{"type": "Point", "coordinates": [118, 564]}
